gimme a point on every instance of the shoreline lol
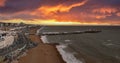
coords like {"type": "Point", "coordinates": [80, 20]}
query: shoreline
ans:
{"type": "Point", "coordinates": [43, 53]}
{"type": "Point", "coordinates": [67, 57]}
{"type": "Point", "coordinates": [71, 58]}
{"type": "Point", "coordinates": [47, 52]}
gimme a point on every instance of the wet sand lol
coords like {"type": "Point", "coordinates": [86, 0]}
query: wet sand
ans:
{"type": "Point", "coordinates": [43, 53]}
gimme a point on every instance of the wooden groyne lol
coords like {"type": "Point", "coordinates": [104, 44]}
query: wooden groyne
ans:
{"type": "Point", "coordinates": [67, 33]}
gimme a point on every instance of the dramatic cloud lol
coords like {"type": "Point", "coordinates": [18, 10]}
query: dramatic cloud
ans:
{"type": "Point", "coordinates": [12, 6]}
{"type": "Point", "coordinates": [105, 10]}
{"type": "Point", "coordinates": [118, 14]}
{"type": "Point", "coordinates": [60, 7]}
{"type": "Point", "coordinates": [63, 11]}
{"type": "Point", "coordinates": [2, 3]}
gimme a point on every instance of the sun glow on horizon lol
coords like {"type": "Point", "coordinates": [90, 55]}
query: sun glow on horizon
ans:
{"type": "Point", "coordinates": [52, 22]}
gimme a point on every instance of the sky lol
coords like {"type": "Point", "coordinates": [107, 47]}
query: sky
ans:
{"type": "Point", "coordinates": [61, 12]}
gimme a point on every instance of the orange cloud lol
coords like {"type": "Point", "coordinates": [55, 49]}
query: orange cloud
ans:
{"type": "Point", "coordinates": [105, 10]}
{"type": "Point", "coordinates": [118, 14]}
{"type": "Point", "coordinates": [102, 16]}
{"type": "Point", "coordinates": [50, 12]}
{"type": "Point", "coordinates": [2, 3]}
{"type": "Point", "coordinates": [99, 17]}
{"type": "Point", "coordinates": [58, 8]}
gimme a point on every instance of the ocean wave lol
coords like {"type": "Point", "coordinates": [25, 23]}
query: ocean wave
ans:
{"type": "Point", "coordinates": [44, 39]}
{"type": "Point", "coordinates": [67, 57]}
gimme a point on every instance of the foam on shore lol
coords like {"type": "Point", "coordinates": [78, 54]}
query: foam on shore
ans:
{"type": "Point", "coordinates": [67, 57]}
{"type": "Point", "coordinates": [44, 39]}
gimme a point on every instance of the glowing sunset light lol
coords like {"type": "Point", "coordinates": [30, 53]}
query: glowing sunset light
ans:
{"type": "Point", "coordinates": [52, 22]}
{"type": "Point", "coordinates": [60, 8]}
{"type": "Point", "coordinates": [2, 3]}
{"type": "Point", "coordinates": [61, 12]}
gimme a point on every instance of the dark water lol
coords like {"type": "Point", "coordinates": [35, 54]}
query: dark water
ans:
{"type": "Point", "coordinates": [103, 46]}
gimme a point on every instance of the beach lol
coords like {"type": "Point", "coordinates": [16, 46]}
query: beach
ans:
{"type": "Point", "coordinates": [43, 53]}
{"type": "Point", "coordinates": [48, 53]}
{"type": "Point", "coordinates": [103, 47]}
{"type": "Point", "coordinates": [76, 48]}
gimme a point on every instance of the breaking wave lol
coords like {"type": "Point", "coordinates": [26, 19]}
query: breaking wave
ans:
{"type": "Point", "coordinates": [67, 56]}
{"type": "Point", "coordinates": [44, 39]}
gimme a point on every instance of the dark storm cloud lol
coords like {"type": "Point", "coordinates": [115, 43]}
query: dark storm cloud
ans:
{"type": "Point", "coordinates": [28, 5]}
{"type": "Point", "coordinates": [12, 6]}
{"type": "Point", "coordinates": [78, 10]}
{"type": "Point", "coordinates": [56, 2]}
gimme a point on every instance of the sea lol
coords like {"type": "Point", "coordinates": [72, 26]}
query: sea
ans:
{"type": "Point", "coordinates": [102, 47]}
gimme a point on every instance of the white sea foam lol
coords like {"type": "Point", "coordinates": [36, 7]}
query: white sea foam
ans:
{"type": "Point", "coordinates": [44, 39]}
{"type": "Point", "coordinates": [67, 57]}
{"type": "Point", "coordinates": [108, 44]}
{"type": "Point", "coordinates": [67, 40]}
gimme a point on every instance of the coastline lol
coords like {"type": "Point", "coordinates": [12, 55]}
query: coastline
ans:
{"type": "Point", "coordinates": [43, 53]}
{"type": "Point", "coordinates": [47, 52]}
{"type": "Point", "coordinates": [67, 57]}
